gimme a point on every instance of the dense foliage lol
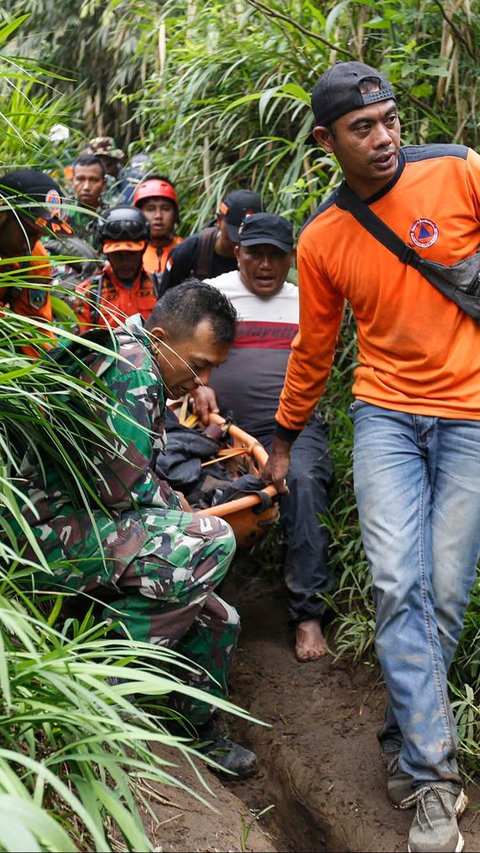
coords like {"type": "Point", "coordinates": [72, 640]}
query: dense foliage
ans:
{"type": "Point", "coordinates": [217, 92]}
{"type": "Point", "coordinates": [83, 728]}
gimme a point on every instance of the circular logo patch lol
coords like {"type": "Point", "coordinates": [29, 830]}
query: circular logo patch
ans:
{"type": "Point", "coordinates": [424, 233]}
{"type": "Point", "coordinates": [54, 202]}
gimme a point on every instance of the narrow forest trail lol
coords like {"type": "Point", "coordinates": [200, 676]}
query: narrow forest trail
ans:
{"type": "Point", "coordinates": [321, 773]}
{"type": "Point", "coordinates": [321, 767]}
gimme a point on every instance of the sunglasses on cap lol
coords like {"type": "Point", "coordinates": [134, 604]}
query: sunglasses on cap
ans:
{"type": "Point", "coordinates": [121, 229]}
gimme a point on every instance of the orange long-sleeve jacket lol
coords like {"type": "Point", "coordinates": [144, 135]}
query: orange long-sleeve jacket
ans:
{"type": "Point", "coordinates": [417, 351]}
{"type": "Point", "coordinates": [26, 301]}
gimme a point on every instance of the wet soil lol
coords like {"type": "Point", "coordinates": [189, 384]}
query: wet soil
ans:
{"type": "Point", "coordinates": [320, 762]}
{"type": "Point", "coordinates": [322, 781]}
{"type": "Point", "coordinates": [222, 822]}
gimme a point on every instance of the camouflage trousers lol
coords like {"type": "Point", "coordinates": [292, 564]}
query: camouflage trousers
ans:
{"type": "Point", "coordinates": [164, 565]}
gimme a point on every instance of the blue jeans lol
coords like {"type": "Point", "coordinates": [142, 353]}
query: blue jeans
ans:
{"type": "Point", "coordinates": [417, 485]}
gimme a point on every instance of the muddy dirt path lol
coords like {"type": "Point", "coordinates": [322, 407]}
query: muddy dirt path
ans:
{"type": "Point", "coordinates": [320, 767]}
{"type": "Point", "coordinates": [320, 763]}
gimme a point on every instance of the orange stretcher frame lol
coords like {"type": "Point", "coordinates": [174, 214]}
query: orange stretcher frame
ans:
{"type": "Point", "coordinates": [245, 514]}
{"type": "Point", "coordinates": [250, 516]}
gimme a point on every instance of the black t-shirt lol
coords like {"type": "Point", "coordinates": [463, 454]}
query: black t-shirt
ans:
{"type": "Point", "coordinates": [183, 262]}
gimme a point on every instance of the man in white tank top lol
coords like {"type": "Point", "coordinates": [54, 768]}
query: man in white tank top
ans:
{"type": "Point", "coordinates": [249, 384]}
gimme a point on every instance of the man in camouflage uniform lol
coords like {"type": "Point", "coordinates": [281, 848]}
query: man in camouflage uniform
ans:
{"type": "Point", "coordinates": [143, 549]}
{"type": "Point", "coordinates": [88, 204]}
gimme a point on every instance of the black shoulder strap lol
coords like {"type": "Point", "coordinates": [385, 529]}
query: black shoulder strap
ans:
{"type": "Point", "coordinates": [68, 353]}
{"type": "Point", "coordinates": [347, 200]}
{"type": "Point", "coordinates": [156, 279]}
{"type": "Point", "coordinates": [459, 282]}
{"type": "Point", "coordinates": [203, 266]}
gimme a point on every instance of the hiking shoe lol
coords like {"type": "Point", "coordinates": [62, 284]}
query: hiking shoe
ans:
{"type": "Point", "coordinates": [234, 761]}
{"type": "Point", "coordinates": [434, 826]}
{"type": "Point", "coordinates": [399, 784]}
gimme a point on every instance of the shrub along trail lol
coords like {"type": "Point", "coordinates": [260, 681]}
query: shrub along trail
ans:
{"type": "Point", "coordinates": [320, 764]}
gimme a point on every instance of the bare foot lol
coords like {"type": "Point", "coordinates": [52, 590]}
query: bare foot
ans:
{"type": "Point", "coordinates": [310, 644]}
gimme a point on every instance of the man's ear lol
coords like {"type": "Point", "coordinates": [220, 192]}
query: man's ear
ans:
{"type": "Point", "coordinates": [236, 250]}
{"type": "Point", "coordinates": [158, 336]}
{"type": "Point", "coordinates": [159, 332]}
{"type": "Point", "coordinates": [324, 138]}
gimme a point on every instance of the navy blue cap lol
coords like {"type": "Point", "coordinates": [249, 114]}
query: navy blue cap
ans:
{"type": "Point", "coordinates": [266, 228]}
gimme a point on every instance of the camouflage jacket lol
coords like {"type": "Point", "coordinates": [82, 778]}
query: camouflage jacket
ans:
{"type": "Point", "coordinates": [126, 433]}
{"type": "Point", "coordinates": [85, 222]}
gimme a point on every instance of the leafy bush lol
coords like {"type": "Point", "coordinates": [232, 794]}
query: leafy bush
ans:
{"type": "Point", "coordinates": [81, 724]}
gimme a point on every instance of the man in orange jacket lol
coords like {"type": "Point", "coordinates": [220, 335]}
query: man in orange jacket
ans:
{"type": "Point", "coordinates": [123, 287]}
{"type": "Point", "coordinates": [157, 199]}
{"type": "Point", "coordinates": [30, 205]}
{"type": "Point", "coordinates": [416, 414]}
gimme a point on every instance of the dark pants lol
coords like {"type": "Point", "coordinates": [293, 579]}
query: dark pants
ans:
{"type": "Point", "coordinates": [307, 573]}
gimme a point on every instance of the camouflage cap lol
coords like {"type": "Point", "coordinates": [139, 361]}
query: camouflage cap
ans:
{"type": "Point", "coordinates": [107, 146]}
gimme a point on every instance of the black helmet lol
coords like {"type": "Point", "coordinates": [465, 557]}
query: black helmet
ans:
{"type": "Point", "coordinates": [124, 223]}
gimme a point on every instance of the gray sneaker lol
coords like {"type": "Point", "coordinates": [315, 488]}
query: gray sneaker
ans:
{"type": "Point", "coordinates": [399, 784]}
{"type": "Point", "coordinates": [434, 828]}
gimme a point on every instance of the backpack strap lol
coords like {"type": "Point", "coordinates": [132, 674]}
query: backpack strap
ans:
{"type": "Point", "coordinates": [203, 266]}
{"type": "Point", "coordinates": [95, 296]}
{"type": "Point", "coordinates": [72, 353]}
{"type": "Point", "coordinates": [156, 279]}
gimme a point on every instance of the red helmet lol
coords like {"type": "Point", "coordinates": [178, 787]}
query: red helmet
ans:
{"type": "Point", "coordinates": [155, 188]}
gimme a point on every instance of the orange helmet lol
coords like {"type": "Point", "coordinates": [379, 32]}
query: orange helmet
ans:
{"type": "Point", "coordinates": [155, 188]}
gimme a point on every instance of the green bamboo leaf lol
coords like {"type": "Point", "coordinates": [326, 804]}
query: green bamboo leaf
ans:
{"type": "Point", "coordinates": [62, 790]}
{"type": "Point", "coordinates": [334, 15]}
{"type": "Point", "coordinates": [298, 92]}
{"type": "Point", "coordinates": [4, 675]}
{"type": "Point", "coordinates": [265, 99]}
{"type": "Point", "coordinates": [15, 835]}
{"type": "Point", "coordinates": [133, 833]}
{"type": "Point", "coordinates": [245, 99]}
{"type": "Point", "coordinates": [6, 30]}
{"type": "Point", "coordinates": [62, 311]}
{"type": "Point", "coordinates": [23, 825]}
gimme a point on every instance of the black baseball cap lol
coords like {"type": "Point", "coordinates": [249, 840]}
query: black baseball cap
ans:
{"type": "Point", "coordinates": [337, 91]}
{"type": "Point", "coordinates": [36, 198]}
{"type": "Point", "coordinates": [237, 205]}
{"type": "Point", "coordinates": [266, 228]}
